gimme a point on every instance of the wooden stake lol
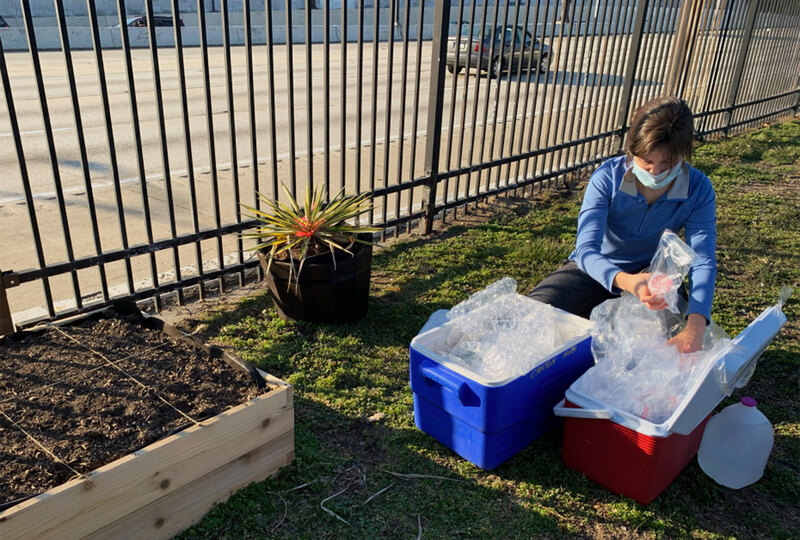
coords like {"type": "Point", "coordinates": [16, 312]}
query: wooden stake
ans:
{"type": "Point", "coordinates": [6, 324]}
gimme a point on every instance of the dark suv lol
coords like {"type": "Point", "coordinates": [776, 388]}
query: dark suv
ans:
{"type": "Point", "coordinates": [158, 20]}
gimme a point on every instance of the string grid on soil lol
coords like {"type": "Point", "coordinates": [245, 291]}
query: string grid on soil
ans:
{"type": "Point", "coordinates": [95, 391]}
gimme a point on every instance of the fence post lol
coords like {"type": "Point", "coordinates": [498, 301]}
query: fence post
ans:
{"type": "Point", "coordinates": [733, 92]}
{"type": "Point", "coordinates": [433, 142]}
{"type": "Point", "coordinates": [630, 71]}
{"type": "Point", "coordinates": [7, 279]}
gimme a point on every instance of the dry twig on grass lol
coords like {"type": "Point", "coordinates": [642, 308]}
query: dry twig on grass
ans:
{"type": "Point", "coordinates": [409, 476]}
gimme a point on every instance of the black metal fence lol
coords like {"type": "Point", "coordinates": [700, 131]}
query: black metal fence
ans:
{"type": "Point", "coordinates": [124, 168]}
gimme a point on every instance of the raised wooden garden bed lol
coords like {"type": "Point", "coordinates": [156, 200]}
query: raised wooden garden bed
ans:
{"type": "Point", "coordinates": [166, 486]}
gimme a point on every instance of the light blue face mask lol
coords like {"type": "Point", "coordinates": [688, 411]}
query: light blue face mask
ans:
{"type": "Point", "coordinates": [657, 181]}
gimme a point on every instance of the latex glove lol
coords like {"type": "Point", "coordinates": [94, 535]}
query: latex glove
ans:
{"type": "Point", "coordinates": [636, 284]}
{"type": "Point", "coordinates": [690, 339]}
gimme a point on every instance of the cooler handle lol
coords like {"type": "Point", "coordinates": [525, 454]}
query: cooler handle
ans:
{"type": "Point", "coordinates": [444, 379]}
{"type": "Point", "coordinates": [576, 412]}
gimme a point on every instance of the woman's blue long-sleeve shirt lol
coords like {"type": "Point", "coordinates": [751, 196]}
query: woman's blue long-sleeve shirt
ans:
{"type": "Point", "coordinates": [619, 231]}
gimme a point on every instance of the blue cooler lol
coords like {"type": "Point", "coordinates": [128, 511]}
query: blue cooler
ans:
{"type": "Point", "coordinates": [487, 422]}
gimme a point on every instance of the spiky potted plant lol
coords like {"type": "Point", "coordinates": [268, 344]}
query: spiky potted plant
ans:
{"type": "Point", "coordinates": [316, 262]}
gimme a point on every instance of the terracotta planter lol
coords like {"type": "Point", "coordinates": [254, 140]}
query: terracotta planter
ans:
{"type": "Point", "coordinates": [322, 293]}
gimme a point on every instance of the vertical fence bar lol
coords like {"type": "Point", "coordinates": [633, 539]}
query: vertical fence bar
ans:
{"type": "Point", "coordinates": [433, 141]}
{"type": "Point", "coordinates": [567, 84]}
{"type": "Point", "coordinates": [84, 162]}
{"type": "Point", "coordinates": [509, 73]}
{"type": "Point", "coordinates": [541, 115]}
{"type": "Point", "coordinates": [577, 118]}
{"type": "Point", "coordinates": [137, 141]}
{"type": "Point", "coordinates": [415, 106]}
{"type": "Point", "coordinates": [23, 169]}
{"type": "Point", "coordinates": [555, 107]}
{"type": "Point", "coordinates": [517, 91]}
{"type": "Point", "coordinates": [537, 119]}
{"type": "Point", "coordinates": [273, 141]}
{"type": "Point", "coordinates": [401, 129]}
{"type": "Point", "coordinates": [373, 127]}
{"type": "Point", "coordinates": [326, 45]}
{"type": "Point", "coordinates": [737, 29]}
{"type": "Point", "coordinates": [525, 114]}
{"type": "Point", "coordinates": [359, 92]}
{"type": "Point", "coordinates": [487, 93]}
{"type": "Point", "coordinates": [226, 47]}
{"type": "Point", "coordinates": [112, 151]}
{"type": "Point", "coordinates": [251, 99]}
{"type": "Point", "coordinates": [162, 133]}
{"type": "Point", "coordinates": [589, 127]}
{"type": "Point", "coordinates": [630, 71]}
{"type": "Point", "coordinates": [309, 101]}
{"type": "Point", "coordinates": [212, 154]}
{"type": "Point", "coordinates": [187, 136]}
{"type": "Point", "coordinates": [475, 100]}
{"type": "Point", "coordinates": [290, 97]}
{"type": "Point", "coordinates": [343, 90]}
{"type": "Point", "coordinates": [733, 92]}
{"type": "Point", "coordinates": [574, 88]}
{"type": "Point", "coordinates": [619, 61]}
{"type": "Point", "coordinates": [645, 71]}
{"type": "Point", "coordinates": [722, 81]}
{"type": "Point", "coordinates": [602, 110]}
{"type": "Point", "coordinates": [667, 50]}
{"type": "Point", "coordinates": [551, 105]}
{"type": "Point", "coordinates": [464, 102]}
{"type": "Point", "coordinates": [453, 100]}
{"type": "Point", "coordinates": [387, 130]}
{"type": "Point", "coordinates": [765, 81]}
{"type": "Point", "coordinates": [48, 131]}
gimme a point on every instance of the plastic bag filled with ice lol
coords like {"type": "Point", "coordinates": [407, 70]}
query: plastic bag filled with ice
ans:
{"type": "Point", "coordinates": [635, 369]}
{"type": "Point", "coordinates": [506, 337]}
{"type": "Point", "coordinates": [669, 267]}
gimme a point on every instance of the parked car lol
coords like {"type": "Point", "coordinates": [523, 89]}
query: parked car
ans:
{"type": "Point", "coordinates": [159, 20]}
{"type": "Point", "coordinates": [3, 23]}
{"type": "Point", "coordinates": [479, 48]}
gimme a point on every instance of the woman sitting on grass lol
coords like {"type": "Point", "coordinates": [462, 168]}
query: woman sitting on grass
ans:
{"type": "Point", "coordinates": [629, 202]}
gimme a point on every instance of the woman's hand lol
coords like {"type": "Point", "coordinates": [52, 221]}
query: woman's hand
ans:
{"type": "Point", "coordinates": [690, 339]}
{"type": "Point", "coordinates": [636, 284]}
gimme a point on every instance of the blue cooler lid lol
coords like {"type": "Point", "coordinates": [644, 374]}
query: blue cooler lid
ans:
{"type": "Point", "coordinates": [732, 369]}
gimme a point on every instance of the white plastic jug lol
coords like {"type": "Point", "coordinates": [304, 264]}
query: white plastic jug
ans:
{"type": "Point", "coordinates": [736, 445]}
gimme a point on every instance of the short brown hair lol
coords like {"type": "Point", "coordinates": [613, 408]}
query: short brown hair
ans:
{"type": "Point", "coordinates": [661, 122]}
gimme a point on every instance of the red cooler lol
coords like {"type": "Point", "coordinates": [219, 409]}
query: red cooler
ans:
{"type": "Point", "coordinates": [638, 459]}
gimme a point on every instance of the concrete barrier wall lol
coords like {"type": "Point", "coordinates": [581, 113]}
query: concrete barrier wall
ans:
{"type": "Point", "coordinates": [15, 39]}
{"type": "Point", "coordinates": [45, 8]}
{"type": "Point", "coordinates": [47, 35]}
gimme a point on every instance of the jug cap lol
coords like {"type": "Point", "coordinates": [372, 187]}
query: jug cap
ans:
{"type": "Point", "coordinates": [747, 401]}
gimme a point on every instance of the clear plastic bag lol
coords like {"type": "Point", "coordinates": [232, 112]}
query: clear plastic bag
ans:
{"type": "Point", "coordinates": [635, 369]}
{"type": "Point", "coordinates": [669, 267]}
{"type": "Point", "coordinates": [499, 334]}
{"type": "Point", "coordinates": [501, 287]}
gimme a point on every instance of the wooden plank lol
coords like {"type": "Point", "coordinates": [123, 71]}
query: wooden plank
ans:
{"type": "Point", "coordinates": [182, 508]}
{"type": "Point", "coordinates": [82, 506]}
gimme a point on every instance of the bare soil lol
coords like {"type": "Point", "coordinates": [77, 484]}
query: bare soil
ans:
{"type": "Point", "coordinates": [77, 397]}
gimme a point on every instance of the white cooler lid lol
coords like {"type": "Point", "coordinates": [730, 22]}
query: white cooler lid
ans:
{"type": "Point", "coordinates": [738, 361]}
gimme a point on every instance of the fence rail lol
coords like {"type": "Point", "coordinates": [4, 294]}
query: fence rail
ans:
{"type": "Point", "coordinates": [125, 167]}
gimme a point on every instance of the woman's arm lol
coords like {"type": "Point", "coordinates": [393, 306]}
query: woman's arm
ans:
{"type": "Point", "coordinates": [592, 224]}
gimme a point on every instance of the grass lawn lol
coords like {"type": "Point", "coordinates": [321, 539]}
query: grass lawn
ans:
{"type": "Point", "coordinates": [354, 408]}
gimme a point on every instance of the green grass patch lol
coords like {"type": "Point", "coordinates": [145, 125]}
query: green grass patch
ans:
{"type": "Point", "coordinates": [344, 375]}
